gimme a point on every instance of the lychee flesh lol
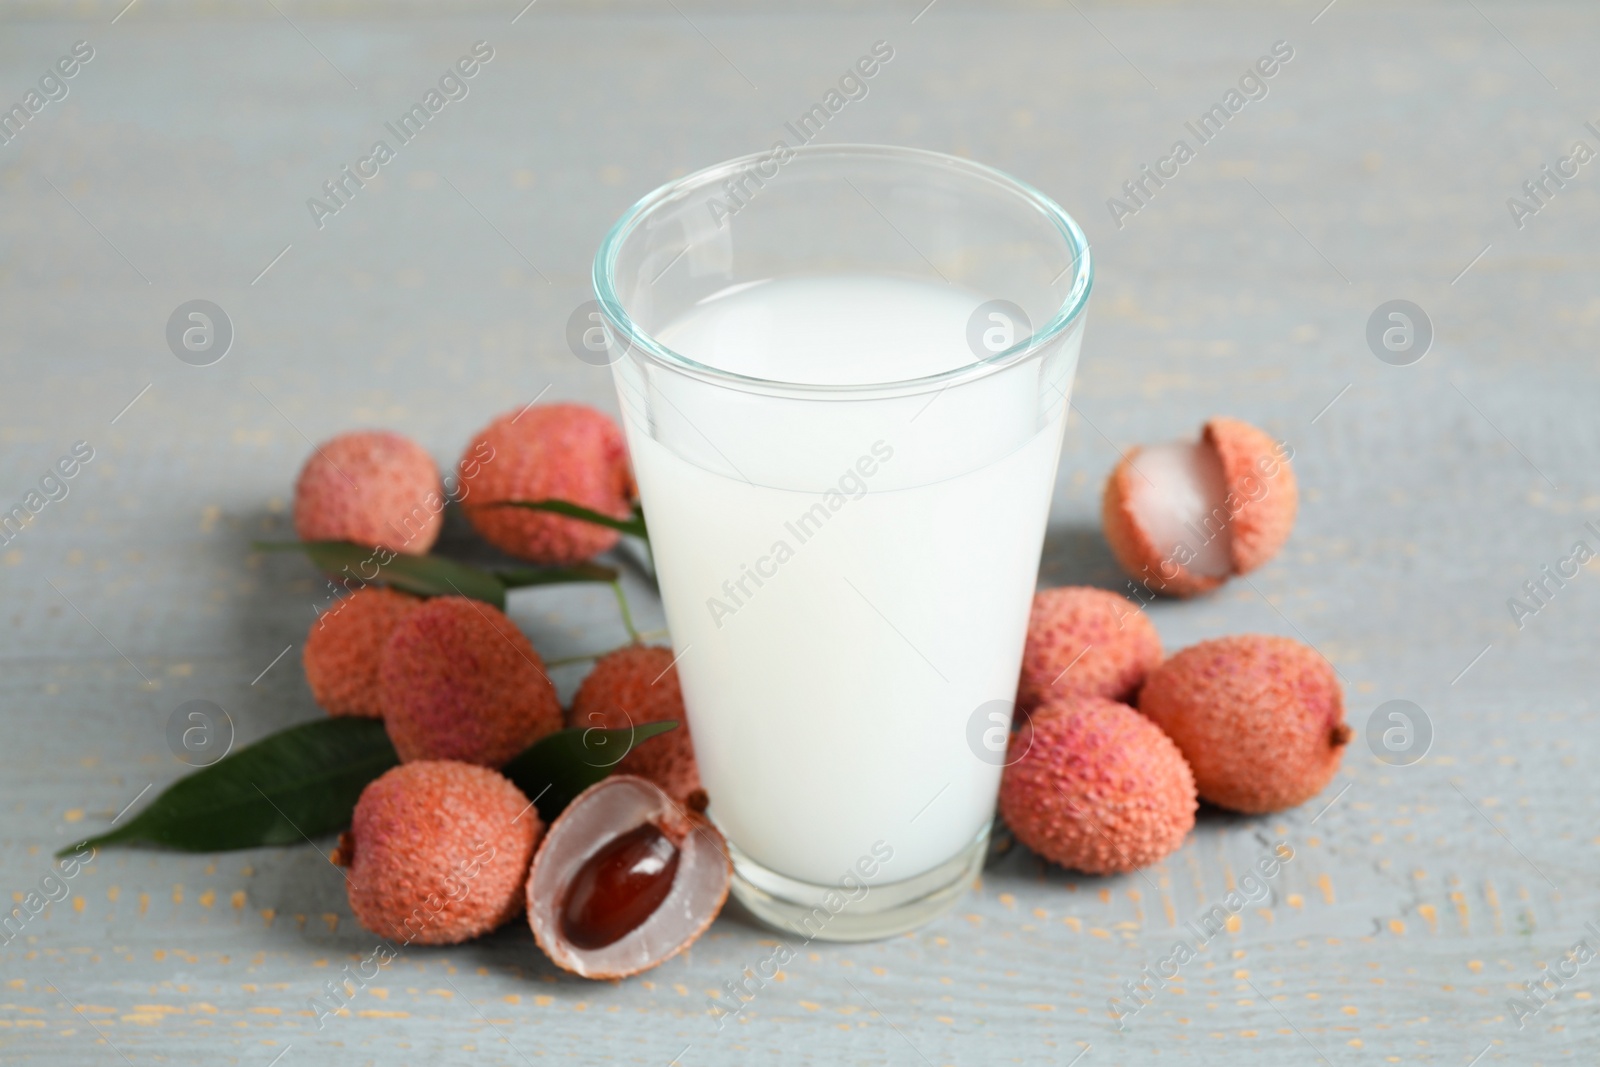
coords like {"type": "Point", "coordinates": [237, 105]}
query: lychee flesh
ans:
{"type": "Point", "coordinates": [549, 452]}
{"type": "Point", "coordinates": [1085, 641]}
{"type": "Point", "coordinates": [1096, 787]}
{"type": "Point", "coordinates": [601, 814]}
{"type": "Point", "coordinates": [633, 686]}
{"type": "Point", "coordinates": [438, 852]}
{"type": "Point", "coordinates": [372, 487]}
{"type": "Point", "coordinates": [344, 650]}
{"type": "Point", "coordinates": [1259, 718]}
{"type": "Point", "coordinates": [1183, 517]}
{"type": "Point", "coordinates": [460, 681]}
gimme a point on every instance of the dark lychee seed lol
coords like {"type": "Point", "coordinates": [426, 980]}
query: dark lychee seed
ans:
{"type": "Point", "coordinates": [619, 887]}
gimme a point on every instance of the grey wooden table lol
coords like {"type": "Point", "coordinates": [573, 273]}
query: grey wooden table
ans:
{"type": "Point", "coordinates": [1377, 166]}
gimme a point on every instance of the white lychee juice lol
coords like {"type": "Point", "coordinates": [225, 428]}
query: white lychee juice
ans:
{"type": "Point", "coordinates": [847, 585]}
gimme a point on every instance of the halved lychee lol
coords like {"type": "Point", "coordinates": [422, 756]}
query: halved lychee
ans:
{"type": "Point", "coordinates": [625, 880]}
{"type": "Point", "coordinates": [1183, 517]}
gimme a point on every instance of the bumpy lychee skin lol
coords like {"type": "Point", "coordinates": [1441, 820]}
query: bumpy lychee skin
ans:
{"type": "Point", "coordinates": [344, 650]}
{"type": "Point", "coordinates": [551, 452]}
{"type": "Point", "coordinates": [461, 682]}
{"type": "Point", "coordinates": [1096, 786]}
{"type": "Point", "coordinates": [372, 487]}
{"type": "Point", "coordinates": [1264, 483]}
{"type": "Point", "coordinates": [1087, 642]}
{"type": "Point", "coordinates": [633, 686]}
{"type": "Point", "coordinates": [438, 852]}
{"type": "Point", "coordinates": [1259, 718]}
{"type": "Point", "coordinates": [1183, 518]}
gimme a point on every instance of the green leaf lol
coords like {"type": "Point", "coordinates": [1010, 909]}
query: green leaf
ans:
{"type": "Point", "coordinates": [556, 769]}
{"type": "Point", "coordinates": [423, 575]}
{"type": "Point", "coordinates": [522, 577]}
{"type": "Point", "coordinates": [286, 788]}
{"type": "Point", "coordinates": [633, 525]}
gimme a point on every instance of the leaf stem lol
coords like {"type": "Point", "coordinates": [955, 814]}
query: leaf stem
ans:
{"type": "Point", "coordinates": [567, 661]}
{"type": "Point", "coordinates": [642, 635]}
{"type": "Point", "coordinates": [627, 616]}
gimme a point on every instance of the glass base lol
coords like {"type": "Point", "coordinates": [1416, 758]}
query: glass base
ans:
{"type": "Point", "coordinates": [886, 909]}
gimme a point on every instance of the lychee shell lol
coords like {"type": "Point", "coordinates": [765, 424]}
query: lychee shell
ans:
{"type": "Point", "coordinates": [344, 650]}
{"type": "Point", "coordinates": [1095, 786]}
{"type": "Point", "coordinates": [438, 852]}
{"type": "Point", "coordinates": [461, 682]}
{"type": "Point", "coordinates": [372, 487]}
{"type": "Point", "coordinates": [633, 686]}
{"type": "Point", "coordinates": [550, 452]}
{"type": "Point", "coordinates": [1085, 641]}
{"type": "Point", "coordinates": [1259, 718]}
{"type": "Point", "coordinates": [1259, 527]}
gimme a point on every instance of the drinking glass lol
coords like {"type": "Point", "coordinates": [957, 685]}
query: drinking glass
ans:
{"type": "Point", "coordinates": [843, 373]}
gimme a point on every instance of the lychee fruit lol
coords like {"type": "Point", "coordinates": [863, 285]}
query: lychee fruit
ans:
{"type": "Point", "coordinates": [461, 682]}
{"type": "Point", "coordinates": [625, 880]}
{"type": "Point", "coordinates": [632, 686]}
{"type": "Point", "coordinates": [344, 650]}
{"type": "Point", "coordinates": [1096, 786]}
{"type": "Point", "coordinates": [1088, 642]}
{"type": "Point", "coordinates": [438, 852]}
{"type": "Point", "coordinates": [1184, 517]}
{"type": "Point", "coordinates": [371, 487]}
{"type": "Point", "coordinates": [552, 452]}
{"type": "Point", "coordinates": [1259, 718]}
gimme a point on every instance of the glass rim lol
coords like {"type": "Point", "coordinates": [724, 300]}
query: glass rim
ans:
{"type": "Point", "coordinates": [638, 340]}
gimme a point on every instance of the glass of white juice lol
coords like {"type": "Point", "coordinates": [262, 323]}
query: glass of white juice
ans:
{"type": "Point", "coordinates": [844, 372]}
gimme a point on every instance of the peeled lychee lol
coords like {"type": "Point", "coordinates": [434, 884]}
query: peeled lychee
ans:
{"type": "Point", "coordinates": [344, 650]}
{"type": "Point", "coordinates": [625, 880]}
{"type": "Point", "coordinates": [372, 487]}
{"type": "Point", "coordinates": [1260, 719]}
{"type": "Point", "coordinates": [438, 852]}
{"type": "Point", "coordinates": [1087, 642]}
{"type": "Point", "coordinates": [1096, 786]}
{"type": "Point", "coordinates": [633, 686]}
{"type": "Point", "coordinates": [461, 682]}
{"type": "Point", "coordinates": [1183, 517]}
{"type": "Point", "coordinates": [552, 452]}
